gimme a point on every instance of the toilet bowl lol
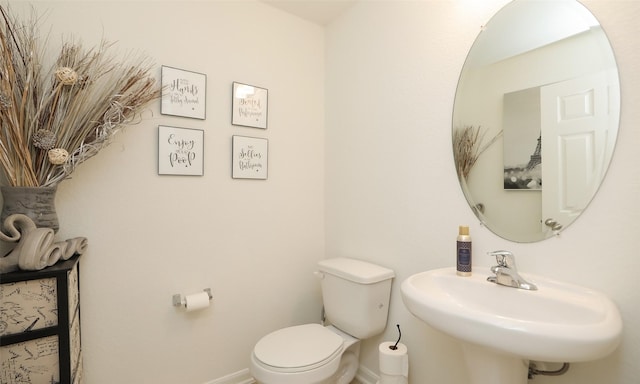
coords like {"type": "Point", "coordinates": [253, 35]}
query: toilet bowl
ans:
{"type": "Point", "coordinates": [306, 354]}
{"type": "Point", "coordinates": [356, 296]}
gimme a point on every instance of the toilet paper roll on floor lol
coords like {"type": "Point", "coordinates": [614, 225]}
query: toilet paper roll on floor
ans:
{"type": "Point", "coordinates": [196, 301]}
{"type": "Point", "coordinates": [393, 361]}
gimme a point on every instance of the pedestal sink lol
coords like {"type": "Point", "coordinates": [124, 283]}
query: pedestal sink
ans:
{"type": "Point", "coordinates": [502, 328]}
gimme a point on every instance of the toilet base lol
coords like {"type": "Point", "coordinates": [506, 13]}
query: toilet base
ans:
{"type": "Point", "coordinates": [348, 365]}
{"type": "Point", "coordinates": [350, 360]}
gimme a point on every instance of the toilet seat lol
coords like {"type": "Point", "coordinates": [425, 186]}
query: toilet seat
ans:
{"type": "Point", "coordinates": [299, 348]}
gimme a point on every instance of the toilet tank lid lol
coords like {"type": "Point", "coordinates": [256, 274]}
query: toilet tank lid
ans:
{"type": "Point", "coordinates": [355, 270]}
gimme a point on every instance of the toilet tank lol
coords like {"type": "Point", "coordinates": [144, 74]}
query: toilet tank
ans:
{"type": "Point", "coordinates": [356, 295]}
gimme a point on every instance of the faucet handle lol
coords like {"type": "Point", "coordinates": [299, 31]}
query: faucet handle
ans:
{"type": "Point", "coordinates": [504, 259]}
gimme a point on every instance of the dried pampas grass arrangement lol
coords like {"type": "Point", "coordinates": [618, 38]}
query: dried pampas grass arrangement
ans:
{"type": "Point", "coordinates": [55, 118]}
{"type": "Point", "coordinates": [467, 148]}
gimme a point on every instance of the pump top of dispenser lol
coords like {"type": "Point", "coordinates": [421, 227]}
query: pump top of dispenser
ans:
{"type": "Point", "coordinates": [463, 230]}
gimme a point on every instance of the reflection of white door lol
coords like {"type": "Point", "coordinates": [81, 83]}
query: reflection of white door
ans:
{"type": "Point", "coordinates": [575, 143]}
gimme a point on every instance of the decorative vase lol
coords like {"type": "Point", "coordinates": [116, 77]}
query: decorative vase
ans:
{"type": "Point", "coordinates": [38, 203]}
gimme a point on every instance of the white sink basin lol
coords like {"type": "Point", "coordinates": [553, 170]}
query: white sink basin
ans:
{"type": "Point", "coordinates": [557, 323]}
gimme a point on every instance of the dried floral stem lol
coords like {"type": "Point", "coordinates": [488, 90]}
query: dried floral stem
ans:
{"type": "Point", "coordinates": [84, 99]}
{"type": "Point", "coordinates": [467, 149]}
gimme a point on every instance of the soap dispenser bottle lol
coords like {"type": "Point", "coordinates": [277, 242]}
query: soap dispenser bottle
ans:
{"type": "Point", "coordinates": [463, 252]}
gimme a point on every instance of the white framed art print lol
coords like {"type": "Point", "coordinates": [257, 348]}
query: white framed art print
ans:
{"type": "Point", "coordinates": [184, 93]}
{"type": "Point", "coordinates": [250, 106]}
{"type": "Point", "coordinates": [250, 157]}
{"type": "Point", "coordinates": [180, 151]}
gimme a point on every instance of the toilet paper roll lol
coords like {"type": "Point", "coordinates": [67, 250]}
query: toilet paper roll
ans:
{"type": "Point", "coordinates": [393, 361]}
{"type": "Point", "coordinates": [196, 301]}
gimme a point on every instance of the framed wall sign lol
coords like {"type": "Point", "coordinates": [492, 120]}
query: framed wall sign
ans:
{"type": "Point", "coordinates": [250, 106]}
{"type": "Point", "coordinates": [180, 151]}
{"type": "Point", "coordinates": [250, 157]}
{"type": "Point", "coordinates": [184, 93]}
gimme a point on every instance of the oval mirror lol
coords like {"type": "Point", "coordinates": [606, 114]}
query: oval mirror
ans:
{"type": "Point", "coordinates": [535, 118]}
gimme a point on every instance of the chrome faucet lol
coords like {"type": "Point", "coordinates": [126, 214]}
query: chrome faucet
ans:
{"type": "Point", "coordinates": [507, 273]}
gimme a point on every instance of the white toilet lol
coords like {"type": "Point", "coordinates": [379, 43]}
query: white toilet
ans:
{"type": "Point", "coordinates": [356, 303]}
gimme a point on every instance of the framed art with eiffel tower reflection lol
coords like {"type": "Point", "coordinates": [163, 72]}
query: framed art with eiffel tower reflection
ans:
{"type": "Point", "coordinates": [522, 140]}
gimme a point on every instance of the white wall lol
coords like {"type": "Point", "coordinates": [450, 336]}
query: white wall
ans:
{"type": "Point", "coordinates": [379, 181]}
{"type": "Point", "coordinates": [255, 243]}
{"type": "Point", "coordinates": [392, 195]}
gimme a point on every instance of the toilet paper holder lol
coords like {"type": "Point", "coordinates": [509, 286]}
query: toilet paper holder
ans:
{"type": "Point", "coordinates": [180, 301]}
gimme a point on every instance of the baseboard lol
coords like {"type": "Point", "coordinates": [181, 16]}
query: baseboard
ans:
{"type": "Point", "coordinates": [364, 376]}
{"type": "Point", "coordinates": [240, 377]}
